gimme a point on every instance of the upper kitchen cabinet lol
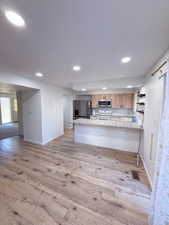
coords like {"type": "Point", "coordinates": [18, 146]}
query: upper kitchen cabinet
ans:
{"type": "Point", "coordinates": [99, 97]}
{"type": "Point", "coordinates": [125, 101]}
{"type": "Point", "coordinates": [118, 100]}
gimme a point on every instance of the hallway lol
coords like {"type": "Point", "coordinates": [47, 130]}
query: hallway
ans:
{"type": "Point", "coordinates": [67, 183]}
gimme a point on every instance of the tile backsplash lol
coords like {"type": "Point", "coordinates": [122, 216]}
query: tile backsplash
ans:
{"type": "Point", "coordinates": [112, 112]}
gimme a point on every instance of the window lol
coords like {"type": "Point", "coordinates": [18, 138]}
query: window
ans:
{"type": "Point", "coordinates": [5, 105]}
{"type": "Point", "coordinates": [15, 105]}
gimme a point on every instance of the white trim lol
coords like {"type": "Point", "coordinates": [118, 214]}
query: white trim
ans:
{"type": "Point", "coordinates": [147, 172]}
{"type": "Point", "coordinates": [34, 142]}
{"type": "Point", "coordinates": [51, 139]}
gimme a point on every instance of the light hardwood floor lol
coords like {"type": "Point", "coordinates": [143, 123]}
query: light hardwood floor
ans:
{"type": "Point", "coordinates": [65, 183]}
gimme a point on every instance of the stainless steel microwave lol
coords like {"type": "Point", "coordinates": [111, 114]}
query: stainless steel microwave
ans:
{"type": "Point", "coordinates": [104, 103]}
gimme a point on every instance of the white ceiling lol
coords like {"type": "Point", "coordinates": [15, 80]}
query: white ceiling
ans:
{"type": "Point", "coordinates": [95, 34]}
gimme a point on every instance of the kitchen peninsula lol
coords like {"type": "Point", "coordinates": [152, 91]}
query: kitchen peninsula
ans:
{"type": "Point", "coordinates": [110, 127]}
{"type": "Point", "coordinates": [118, 135]}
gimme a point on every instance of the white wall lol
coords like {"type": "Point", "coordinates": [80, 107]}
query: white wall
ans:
{"type": "Point", "coordinates": [83, 97]}
{"type": "Point", "coordinates": [154, 98]}
{"type": "Point", "coordinates": [57, 104]}
{"type": "Point", "coordinates": [111, 84]}
{"type": "Point", "coordinates": [10, 78]}
{"type": "Point", "coordinates": [32, 118]}
{"type": "Point", "coordinates": [154, 88]}
{"type": "Point", "coordinates": [108, 91]}
{"type": "Point", "coordinates": [68, 111]}
{"type": "Point", "coordinates": [43, 110]}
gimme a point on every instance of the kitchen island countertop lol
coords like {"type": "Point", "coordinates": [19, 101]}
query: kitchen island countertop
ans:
{"type": "Point", "coordinates": [108, 123]}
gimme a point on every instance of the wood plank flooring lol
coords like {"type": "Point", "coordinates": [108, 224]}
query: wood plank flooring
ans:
{"type": "Point", "coordinates": [64, 183]}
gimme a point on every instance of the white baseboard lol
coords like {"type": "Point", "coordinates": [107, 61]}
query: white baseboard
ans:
{"type": "Point", "coordinates": [147, 172]}
{"type": "Point", "coordinates": [51, 139]}
{"type": "Point", "coordinates": [33, 142]}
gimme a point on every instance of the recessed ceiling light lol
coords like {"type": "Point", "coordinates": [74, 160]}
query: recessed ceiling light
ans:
{"type": "Point", "coordinates": [104, 88]}
{"type": "Point", "coordinates": [76, 68]}
{"type": "Point", "coordinates": [39, 74]}
{"type": "Point", "coordinates": [129, 86]}
{"type": "Point", "coordinates": [125, 59]}
{"type": "Point", "coordinates": [83, 89]}
{"type": "Point", "coordinates": [15, 18]}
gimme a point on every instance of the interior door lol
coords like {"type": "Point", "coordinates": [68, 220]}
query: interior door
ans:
{"type": "Point", "coordinates": [5, 105]}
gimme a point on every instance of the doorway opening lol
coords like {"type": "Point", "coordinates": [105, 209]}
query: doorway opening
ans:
{"type": "Point", "coordinates": [8, 115]}
{"type": "Point", "coordinates": [16, 106]}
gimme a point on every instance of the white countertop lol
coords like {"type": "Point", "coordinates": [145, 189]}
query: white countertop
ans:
{"type": "Point", "coordinates": [108, 123]}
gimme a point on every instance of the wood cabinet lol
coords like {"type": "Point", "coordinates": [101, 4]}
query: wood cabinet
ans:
{"type": "Point", "coordinates": [123, 101]}
{"type": "Point", "coordinates": [94, 101]}
{"type": "Point", "coordinates": [128, 101]}
{"type": "Point", "coordinates": [118, 100]}
{"type": "Point", "coordinates": [96, 98]}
